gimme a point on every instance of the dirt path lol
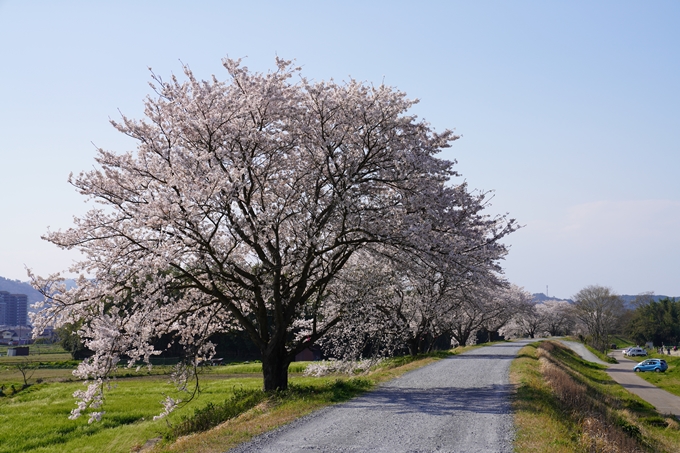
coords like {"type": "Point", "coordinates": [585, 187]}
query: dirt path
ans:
{"type": "Point", "coordinates": [459, 404]}
{"type": "Point", "coordinates": [622, 372]}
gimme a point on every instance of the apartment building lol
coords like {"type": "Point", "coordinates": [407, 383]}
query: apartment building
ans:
{"type": "Point", "coordinates": [13, 309]}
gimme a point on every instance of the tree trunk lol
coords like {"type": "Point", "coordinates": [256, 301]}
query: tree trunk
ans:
{"type": "Point", "coordinates": [275, 361]}
{"type": "Point", "coordinates": [462, 337]}
{"type": "Point", "coordinates": [413, 346]}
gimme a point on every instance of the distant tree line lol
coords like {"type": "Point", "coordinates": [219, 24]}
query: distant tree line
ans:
{"type": "Point", "coordinates": [656, 321]}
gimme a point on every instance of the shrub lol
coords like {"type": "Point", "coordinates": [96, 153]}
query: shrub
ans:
{"type": "Point", "coordinates": [212, 415]}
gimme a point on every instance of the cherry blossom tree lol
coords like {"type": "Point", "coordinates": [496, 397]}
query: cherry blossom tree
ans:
{"type": "Point", "coordinates": [529, 320]}
{"type": "Point", "coordinates": [389, 304]}
{"type": "Point", "coordinates": [240, 206]}
{"type": "Point", "coordinates": [485, 305]}
{"type": "Point", "coordinates": [504, 305]}
{"type": "Point", "coordinates": [363, 331]}
{"type": "Point", "coordinates": [558, 316]}
{"type": "Point", "coordinates": [396, 297]}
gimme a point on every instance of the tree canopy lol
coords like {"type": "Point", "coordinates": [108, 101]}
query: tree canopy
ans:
{"type": "Point", "coordinates": [656, 321]}
{"type": "Point", "coordinates": [599, 309]}
{"type": "Point", "coordinates": [242, 204]}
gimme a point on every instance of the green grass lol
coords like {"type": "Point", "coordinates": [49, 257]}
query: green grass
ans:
{"type": "Point", "coordinates": [566, 404]}
{"type": "Point", "coordinates": [669, 380]}
{"type": "Point", "coordinates": [36, 419]}
{"type": "Point", "coordinates": [601, 356]}
{"type": "Point", "coordinates": [56, 357]}
{"type": "Point", "coordinates": [37, 349]}
{"type": "Point", "coordinates": [315, 389]}
{"type": "Point", "coordinates": [537, 413]}
{"type": "Point", "coordinates": [305, 395]}
{"type": "Point", "coordinates": [249, 368]}
{"type": "Point", "coordinates": [621, 342]}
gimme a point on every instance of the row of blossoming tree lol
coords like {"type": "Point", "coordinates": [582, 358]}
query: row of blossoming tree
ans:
{"type": "Point", "coordinates": [290, 209]}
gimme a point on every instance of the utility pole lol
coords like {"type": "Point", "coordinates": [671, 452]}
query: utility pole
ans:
{"type": "Point", "coordinates": [546, 291]}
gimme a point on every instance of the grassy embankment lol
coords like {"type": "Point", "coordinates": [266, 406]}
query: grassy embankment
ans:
{"type": "Point", "coordinates": [621, 342]}
{"type": "Point", "coordinates": [669, 381]}
{"type": "Point", "coordinates": [35, 419]}
{"type": "Point", "coordinates": [565, 404]}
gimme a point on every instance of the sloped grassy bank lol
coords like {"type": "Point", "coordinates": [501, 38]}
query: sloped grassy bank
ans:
{"type": "Point", "coordinates": [566, 404]}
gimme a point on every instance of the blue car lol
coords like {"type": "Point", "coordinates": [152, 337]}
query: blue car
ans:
{"type": "Point", "coordinates": [657, 365]}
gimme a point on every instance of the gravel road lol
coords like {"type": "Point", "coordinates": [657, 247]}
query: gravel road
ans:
{"type": "Point", "coordinates": [457, 404]}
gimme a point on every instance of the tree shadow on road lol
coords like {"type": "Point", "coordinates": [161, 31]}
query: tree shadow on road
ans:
{"type": "Point", "coordinates": [438, 401]}
{"type": "Point", "coordinates": [482, 356]}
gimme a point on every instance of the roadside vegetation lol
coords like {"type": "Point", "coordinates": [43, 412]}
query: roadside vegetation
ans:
{"type": "Point", "coordinates": [304, 396]}
{"type": "Point", "coordinates": [601, 355]}
{"type": "Point", "coordinates": [657, 321]}
{"type": "Point", "coordinates": [621, 342]}
{"type": "Point", "coordinates": [230, 409]}
{"type": "Point", "coordinates": [566, 404]}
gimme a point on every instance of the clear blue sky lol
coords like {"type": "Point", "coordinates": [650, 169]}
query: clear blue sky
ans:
{"type": "Point", "coordinates": [570, 111]}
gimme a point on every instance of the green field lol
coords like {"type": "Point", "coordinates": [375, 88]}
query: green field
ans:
{"type": "Point", "coordinates": [36, 419]}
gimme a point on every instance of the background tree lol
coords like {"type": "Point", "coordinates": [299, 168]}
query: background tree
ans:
{"type": "Point", "coordinates": [529, 320]}
{"type": "Point", "coordinates": [242, 203]}
{"type": "Point", "coordinates": [599, 310]}
{"type": "Point", "coordinates": [69, 339]}
{"type": "Point", "coordinates": [363, 331]}
{"type": "Point", "coordinates": [27, 368]}
{"type": "Point", "coordinates": [412, 302]}
{"type": "Point", "coordinates": [558, 318]}
{"type": "Point", "coordinates": [507, 303]}
{"type": "Point", "coordinates": [483, 305]}
{"type": "Point", "coordinates": [658, 322]}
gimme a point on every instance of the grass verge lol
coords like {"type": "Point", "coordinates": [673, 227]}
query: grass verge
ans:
{"type": "Point", "coordinates": [600, 355]}
{"type": "Point", "coordinates": [304, 396]}
{"type": "Point", "coordinates": [621, 342]}
{"type": "Point", "coordinates": [566, 404]}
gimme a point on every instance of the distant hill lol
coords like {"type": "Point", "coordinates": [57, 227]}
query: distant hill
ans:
{"type": "Point", "coordinates": [628, 300]}
{"type": "Point", "coordinates": [539, 298]}
{"type": "Point", "coordinates": [19, 287]}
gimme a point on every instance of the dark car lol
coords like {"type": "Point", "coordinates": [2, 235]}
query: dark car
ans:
{"type": "Point", "coordinates": [657, 365]}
